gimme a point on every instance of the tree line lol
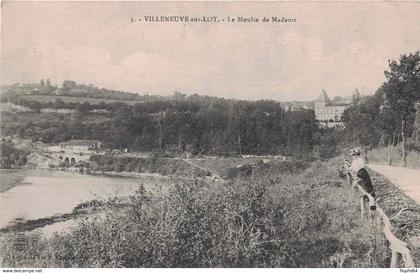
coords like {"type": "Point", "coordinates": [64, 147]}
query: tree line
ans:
{"type": "Point", "coordinates": [58, 103]}
{"type": "Point", "coordinates": [196, 125]}
{"type": "Point", "coordinates": [10, 156]}
{"type": "Point", "coordinates": [388, 116]}
{"type": "Point", "coordinates": [205, 125]}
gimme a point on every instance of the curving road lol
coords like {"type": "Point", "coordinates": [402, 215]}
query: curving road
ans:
{"type": "Point", "coordinates": [408, 180]}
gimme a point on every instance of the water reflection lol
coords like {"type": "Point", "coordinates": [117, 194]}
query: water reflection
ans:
{"type": "Point", "coordinates": [44, 193]}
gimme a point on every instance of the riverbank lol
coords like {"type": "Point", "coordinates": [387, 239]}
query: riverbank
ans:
{"type": "Point", "coordinates": [45, 197]}
{"type": "Point", "coordinates": [85, 208]}
{"type": "Point", "coordinates": [228, 167]}
{"type": "Point", "coordinates": [10, 178]}
{"type": "Point", "coordinates": [17, 176]}
{"type": "Point", "coordinates": [219, 167]}
{"type": "Point", "coordinates": [111, 173]}
{"type": "Point", "coordinates": [305, 219]}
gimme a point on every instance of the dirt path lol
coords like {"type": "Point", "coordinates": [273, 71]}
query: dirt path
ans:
{"type": "Point", "coordinates": [408, 180]}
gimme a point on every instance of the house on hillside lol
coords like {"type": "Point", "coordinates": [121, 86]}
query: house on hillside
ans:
{"type": "Point", "coordinates": [329, 112]}
{"type": "Point", "coordinates": [80, 145]}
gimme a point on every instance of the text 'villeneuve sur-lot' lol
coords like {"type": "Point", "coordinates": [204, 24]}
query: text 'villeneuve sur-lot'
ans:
{"type": "Point", "coordinates": [239, 19]}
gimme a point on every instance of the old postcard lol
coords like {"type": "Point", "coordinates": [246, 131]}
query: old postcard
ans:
{"type": "Point", "coordinates": [210, 135]}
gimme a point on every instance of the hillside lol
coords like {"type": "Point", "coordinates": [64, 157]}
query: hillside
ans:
{"type": "Point", "coordinates": [72, 92]}
{"type": "Point", "coordinates": [67, 88]}
{"type": "Point", "coordinates": [71, 99]}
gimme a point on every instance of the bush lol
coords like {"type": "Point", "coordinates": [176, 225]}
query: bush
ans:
{"type": "Point", "coordinates": [413, 145]}
{"type": "Point", "coordinates": [63, 164]}
{"type": "Point", "coordinates": [107, 168]}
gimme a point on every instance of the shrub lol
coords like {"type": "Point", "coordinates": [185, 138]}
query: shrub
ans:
{"type": "Point", "coordinates": [107, 168]}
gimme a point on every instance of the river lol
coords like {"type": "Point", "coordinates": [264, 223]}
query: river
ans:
{"type": "Point", "coordinates": [42, 193]}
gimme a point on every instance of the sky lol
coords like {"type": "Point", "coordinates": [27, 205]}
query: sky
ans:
{"type": "Point", "coordinates": [336, 46]}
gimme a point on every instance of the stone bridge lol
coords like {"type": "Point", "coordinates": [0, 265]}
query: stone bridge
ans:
{"type": "Point", "coordinates": [70, 158]}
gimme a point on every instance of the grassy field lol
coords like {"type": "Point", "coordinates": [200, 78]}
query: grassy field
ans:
{"type": "Point", "coordinates": [48, 98]}
{"type": "Point", "coordinates": [310, 219]}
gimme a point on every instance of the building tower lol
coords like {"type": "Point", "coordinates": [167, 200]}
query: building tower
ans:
{"type": "Point", "coordinates": [320, 106]}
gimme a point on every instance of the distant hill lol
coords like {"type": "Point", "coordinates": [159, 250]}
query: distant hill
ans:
{"type": "Point", "coordinates": [72, 92]}
{"type": "Point", "coordinates": [69, 99]}
{"type": "Point", "coordinates": [68, 89]}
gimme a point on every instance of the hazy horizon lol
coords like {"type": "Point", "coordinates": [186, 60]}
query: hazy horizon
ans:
{"type": "Point", "coordinates": [336, 46]}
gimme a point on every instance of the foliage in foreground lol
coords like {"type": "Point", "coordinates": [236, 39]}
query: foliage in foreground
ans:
{"type": "Point", "coordinates": [308, 220]}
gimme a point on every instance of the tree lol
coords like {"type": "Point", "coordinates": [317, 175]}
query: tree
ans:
{"type": "Point", "coordinates": [123, 128]}
{"type": "Point", "coordinates": [402, 90]}
{"type": "Point", "coordinates": [68, 85]}
{"type": "Point", "coordinates": [84, 107]}
{"type": "Point", "coordinates": [356, 98]}
{"type": "Point", "coordinates": [361, 122]}
{"type": "Point", "coordinates": [49, 87]}
{"type": "Point", "coordinates": [48, 135]}
{"type": "Point", "coordinates": [59, 104]}
{"type": "Point", "coordinates": [21, 132]}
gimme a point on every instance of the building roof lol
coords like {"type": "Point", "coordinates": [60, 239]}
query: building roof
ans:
{"type": "Point", "coordinates": [340, 100]}
{"type": "Point", "coordinates": [323, 97]}
{"type": "Point", "coordinates": [80, 142]}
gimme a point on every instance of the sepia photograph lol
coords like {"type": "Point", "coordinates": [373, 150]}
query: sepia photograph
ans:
{"type": "Point", "coordinates": [209, 134]}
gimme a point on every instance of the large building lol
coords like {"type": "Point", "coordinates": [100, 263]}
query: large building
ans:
{"type": "Point", "coordinates": [329, 112]}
